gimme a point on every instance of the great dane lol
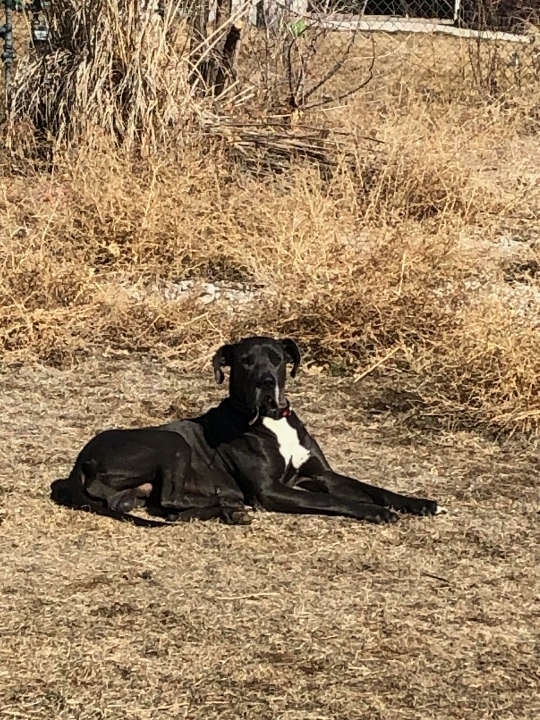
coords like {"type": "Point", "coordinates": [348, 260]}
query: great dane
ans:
{"type": "Point", "coordinates": [250, 450]}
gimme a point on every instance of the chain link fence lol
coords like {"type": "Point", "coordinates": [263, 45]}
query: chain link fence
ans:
{"type": "Point", "coordinates": [491, 34]}
{"type": "Point", "coordinates": [480, 14]}
{"type": "Point", "coordinates": [492, 44]}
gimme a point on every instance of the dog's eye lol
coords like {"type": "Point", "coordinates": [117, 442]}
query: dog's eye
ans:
{"type": "Point", "coordinates": [275, 359]}
{"type": "Point", "coordinates": [248, 360]}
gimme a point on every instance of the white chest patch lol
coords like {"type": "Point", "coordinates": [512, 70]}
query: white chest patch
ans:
{"type": "Point", "coordinates": [289, 445]}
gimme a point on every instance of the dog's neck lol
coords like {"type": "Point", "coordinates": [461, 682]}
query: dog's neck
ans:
{"type": "Point", "coordinates": [247, 416]}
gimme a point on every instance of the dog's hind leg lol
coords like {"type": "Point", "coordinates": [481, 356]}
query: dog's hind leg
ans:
{"type": "Point", "coordinates": [70, 492]}
{"type": "Point", "coordinates": [99, 487]}
{"type": "Point", "coordinates": [126, 500]}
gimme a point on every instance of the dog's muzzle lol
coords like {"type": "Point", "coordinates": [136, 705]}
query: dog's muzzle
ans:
{"type": "Point", "coordinates": [271, 401]}
{"type": "Point", "coordinates": [271, 408]}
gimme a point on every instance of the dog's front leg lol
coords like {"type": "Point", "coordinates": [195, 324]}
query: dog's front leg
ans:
{"type": "Point", "coordinates": [276, 497]}
{"type": "Point", "coordinates": [318, 470]}
{"type": "Point", "coordinates": [347, 487]}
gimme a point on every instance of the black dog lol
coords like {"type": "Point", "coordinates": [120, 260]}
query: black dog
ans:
{"type": "Point", "coordinates": [250, 450]}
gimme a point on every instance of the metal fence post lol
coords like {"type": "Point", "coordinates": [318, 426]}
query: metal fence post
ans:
{"type": "Point", "coordinates": [8, 56]}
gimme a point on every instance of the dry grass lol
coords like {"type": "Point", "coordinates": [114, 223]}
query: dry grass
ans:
{"type": "Point", "coordinates": [418, 252]}
{"type": "Point", "coordinates": [292, 617]}
{"type": "Point", "coordinates": [392, 245]}
{"type": "Point", "coordinates": [401, 250]}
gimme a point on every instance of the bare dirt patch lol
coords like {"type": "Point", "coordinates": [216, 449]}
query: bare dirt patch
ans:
{"type": "Point", "coordinates": [291, 617]}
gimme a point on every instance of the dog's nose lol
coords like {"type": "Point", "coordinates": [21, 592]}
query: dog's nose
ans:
{"type": "Point", "coordinates": [267, 382]}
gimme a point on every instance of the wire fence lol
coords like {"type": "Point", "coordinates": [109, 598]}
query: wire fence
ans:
{"type": "Point", "coordinates": [477, 14]}
{"type": "Point", "coordinates": [504, 24]}
{"type": "Point", "coordinates": [491, 47]}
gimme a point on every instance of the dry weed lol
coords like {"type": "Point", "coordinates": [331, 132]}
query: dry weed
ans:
{"type": "Point", "coordinates": [416, 258]}
{"type": "Point", "coordinates": [117, 68]}
{"type": "Point", "coordinates": [395, 251]}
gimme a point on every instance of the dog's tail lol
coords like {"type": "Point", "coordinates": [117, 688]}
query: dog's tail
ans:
{"type": "Point", "coordinates": [69, 492]}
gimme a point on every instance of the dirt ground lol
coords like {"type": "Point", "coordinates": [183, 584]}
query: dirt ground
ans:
{"type": "Point", "coordinates": [293, 617]}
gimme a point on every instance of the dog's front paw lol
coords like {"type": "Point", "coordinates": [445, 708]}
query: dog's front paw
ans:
{"type": "Point", "coordinates": [236, 517]}
{"type": "Point", "coordinates": [383, 515]}
{"type": "Point", "coordinates": [420, 506]}
{"type": "Point", "coordinates": [429, 507]}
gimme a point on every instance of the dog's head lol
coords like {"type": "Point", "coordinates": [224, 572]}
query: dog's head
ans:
{"type": "Point", "coordinates": [258, 373]}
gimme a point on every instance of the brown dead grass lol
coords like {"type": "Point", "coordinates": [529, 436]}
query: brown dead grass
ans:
{"type": "Point", "coordinates": [396, 257]}
{"type": "Point", "coordinates": [291, 617]}
{"type": "Point", "coordinates": [394, 254]}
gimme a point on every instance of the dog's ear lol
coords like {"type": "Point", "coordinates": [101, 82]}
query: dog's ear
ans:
{"type": "Point", "coordinates": [293, 354]}
{"type": "Point", "coordinates": [221, 359]}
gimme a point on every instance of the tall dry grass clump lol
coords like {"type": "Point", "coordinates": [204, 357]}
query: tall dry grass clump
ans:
{"type": "Point", "coordinates": [382, 242]}
{"type": "Point", "coordinates": [117, 69]}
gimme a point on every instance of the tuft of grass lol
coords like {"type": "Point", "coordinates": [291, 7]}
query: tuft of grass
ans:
{"type": "Point", "coordinates": [117, 70]}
